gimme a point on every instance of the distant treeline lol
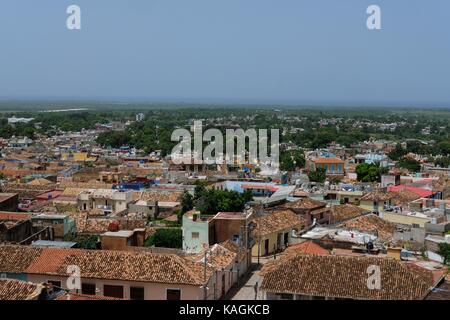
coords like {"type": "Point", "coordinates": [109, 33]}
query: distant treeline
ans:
{"type": "Point", "coordinates": [304, 127]}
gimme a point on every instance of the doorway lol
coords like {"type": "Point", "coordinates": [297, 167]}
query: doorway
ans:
{"type": "Point", "coordinates": [266, 247]}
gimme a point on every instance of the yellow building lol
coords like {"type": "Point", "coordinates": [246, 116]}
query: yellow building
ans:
{"type": "Point", "coordinates": [274, 231]}
{"type": "Point", "coordinates": [78, 157]}
{"type": "Point", "coordinates": [410, 219]}
{"type": "Point", "coordinates": [375, 201]}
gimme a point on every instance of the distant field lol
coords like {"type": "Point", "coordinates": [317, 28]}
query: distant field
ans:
{"type": "Point", "coordinates": [61, 106]}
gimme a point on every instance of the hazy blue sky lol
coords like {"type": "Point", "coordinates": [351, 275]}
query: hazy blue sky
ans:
{"type": "Point", "coordinates": [293, 51]}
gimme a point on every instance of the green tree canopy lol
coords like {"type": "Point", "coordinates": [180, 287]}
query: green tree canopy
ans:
{"type": "Point", "coordinates": [397, 153]}
{"type": "Point", "coordinates": [444, 252]}
{"type": "Point", "coordinates": [410, 164]}
{"type": "Point", "coordinates": [369, 172]}
{"type": "Point", "coordinates": [187, 202]}
{"type": "Point", "coordinates": [211, 201]}
{"type": "Point", "coordinates": [443, 162]}
{"type": "Point", "coordinates": [319, 175]}
{"type": "Point", "coordinates": [166, 238]}
{"type": "Point", "coordinates": [292, 159]}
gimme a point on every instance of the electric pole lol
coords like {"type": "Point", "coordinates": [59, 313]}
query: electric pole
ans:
{"type": "Point", "coordinates": [205, 288]}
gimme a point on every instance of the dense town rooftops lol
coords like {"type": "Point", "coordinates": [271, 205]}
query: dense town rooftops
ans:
{"type": "Point", "coordinates": [83, 297]}
{"type": "Point", "coordinates": [403, 196]}
{"type": "Point", "coordinates": [19, 290]}
{"type": "Point", "coordinates": [341, 213]}
{"type": "Point", "coordinates": [102, 264]}
{"type": "Point", "coordinates": [232, 215]}
{"type": "Point", "coordinates": [7, 195]}
{"type": "Point", "coordinates": [233, 247]}
{"type": "Point", "coordinates": [307, 247]}
{"type": "Point", "coordinates": [163, 196]}
{"type": "Point", "coordinates": [14, 216]}
{"type": "Point", "coordinates": [423, 193]}
{"type": "Point", "coordinates": [304, 204]}
{"type": "Point", "coordinates": [328, 160]}
{"type": "Point", "coordinates": [376, 196]}
{"type": "Point", "coordinates": [374, 225]}
{"type": "Point", "coordinates": [16, 259]}
{"type": "Point", "coordinates": [277, 221]}
{"type": "Point", "coordinates": [40, 182]}
{"type": "Point", "coordinates": [260, 186]}
{"type": "Point", "coordinates": [346, 277]}
{"type": "Point", "coordinates": [217, 256]}
{"type": "Point", "coordinates": [86, 185]}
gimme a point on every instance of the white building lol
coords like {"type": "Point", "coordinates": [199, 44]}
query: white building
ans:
{"type": "Point", "coordinates": [107, 200]}
{"type": "Point", "coordinates": [195, 231]}
{"type": "Point", "coordinates": [140, 117]}
{"type": "Point", "coordinates": [14, 120]}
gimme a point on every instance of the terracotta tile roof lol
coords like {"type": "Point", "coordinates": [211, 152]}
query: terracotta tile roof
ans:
{"type": "Point", "coordinates": [328, 160]}
{"type": "Point", "coordinates": [403, 196]}
{"type": "Point", "coordinates": [65, 200]}
{"type": "Point", "coordinates": [39, 182]}
{"type": "Point", "coordinates": [25, 190]}
{"type": "Point", "coordinates": [304, 204]}
{"type": "Point", "coordinates": [122, 265]}
{"type": "Point", "coordinates": [307, 247]}
{"type": "Point", "coordinates": [233, 247]}
{"type": "Point", "coordinates": [16, 259]}
{"type": "Point", "coordinates": [423, 193]}
{"type": "Point", "coordinates": [29, 187]}
{"type": "Point", "coordinates": [19, 290]}
{"type": "Point", "coordinates": [300, 193]}
{"type": "Point", "coordinates": [162, 196]}
{"type": "Point", "coordinates": [90, 225]}
{"type": "Point", "coordinates": [440, 184]}
{"type": "Point", "coordinates": [77, 296]}
{"type": "Point", "coordinates": [86, 185]}
{"type": "Point", "coordinates": [49, 261]}
{"type": "Point", "coordinates": [218, 258]}
{"type": "Point", "coordinates": [376, 196]}
{"type": "Point", "coordinates": [277, 221]}
{"type": "Point", "coordinates": [6, 196]}
{"type": "Point", "coordinates": [373, 224]}
{"type": "Point", "coordinates": [259, 186]}
{"type": "Point", "coordinates": [346, 277]}
{"type": "Point", "coordinates": [96, 226]}
{"type": "Point", "coordinates": [72, 192]}
{"type": "Point", "coordinates": [14, 216]}
{"type": "Point", "coordinates": [345, 212]}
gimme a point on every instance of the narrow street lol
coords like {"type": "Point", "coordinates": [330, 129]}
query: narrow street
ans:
{"type": "Point", "coordinates": [246, 290]}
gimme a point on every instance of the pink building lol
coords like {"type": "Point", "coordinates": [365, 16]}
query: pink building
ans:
{"type": "Point", "coordinates": [124, 274]}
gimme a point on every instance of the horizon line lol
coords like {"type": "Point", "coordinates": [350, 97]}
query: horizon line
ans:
{"type": "Point", "coordinates": [226, 102]}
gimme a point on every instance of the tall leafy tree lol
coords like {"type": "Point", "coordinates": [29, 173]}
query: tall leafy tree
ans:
{"type": "Point", "coordinates": [187, 202]}
{"type": "Point", "coordinates": [444, 252]}
{"type": "Point", "coordinates": [319, 175]}
{"type": "Point", "coordinates": [409, 164]}
{"type": "Point", "coordinates": [369, 172]}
